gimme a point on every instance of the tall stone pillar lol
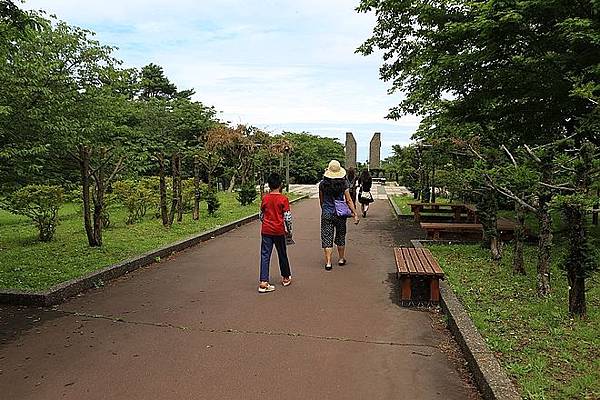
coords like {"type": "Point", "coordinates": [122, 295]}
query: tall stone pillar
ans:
{"type": "Point", "coordinates": [375, 152]}
{"type": "Point", "coordinates": [350, 150]}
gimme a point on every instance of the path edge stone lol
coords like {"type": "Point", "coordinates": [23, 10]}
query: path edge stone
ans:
{"type": "Point", "coordinates": [490, 377]}
{"type": "Point", "coordinates": [396, 209]}
{"type": "Point", "coordinates": [62, 291]}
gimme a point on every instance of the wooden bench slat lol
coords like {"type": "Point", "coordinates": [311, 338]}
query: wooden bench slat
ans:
{"type": "Point", "coordinates": [426, 265]}
{"type": "Point", "coordinates": [402, 268]}
{"type": "Point", "coordinates": [423, 263]}
{"type": "Point", "coordinates": [416, 262]}
{"type": "Point", "coordinates": [409, 263]}
{"type": "Point", "coordinates": [433, 263]}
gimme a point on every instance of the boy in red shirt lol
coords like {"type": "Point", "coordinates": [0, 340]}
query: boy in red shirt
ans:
{"type": "Point", "coordinates": [276, 221]}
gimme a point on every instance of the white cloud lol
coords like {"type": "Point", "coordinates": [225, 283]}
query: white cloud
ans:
{"type": "Point", "coordinates": [284, 63]}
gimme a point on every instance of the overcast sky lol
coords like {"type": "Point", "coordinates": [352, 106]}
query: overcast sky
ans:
{"type": "Point", "coordinates": [276, 64]}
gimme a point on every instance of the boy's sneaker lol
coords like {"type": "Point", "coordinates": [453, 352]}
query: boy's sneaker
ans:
{"type": "Point", "coordinates": [286, 281]}
{"type": "Point", "coordinates": [266, 288]}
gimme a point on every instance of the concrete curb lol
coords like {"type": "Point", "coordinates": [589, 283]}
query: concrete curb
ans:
{"type": "Point", "coordinates": [59, 293]}
{"type": "Point", "coordinates": [490, 377]}
{"type": "Point", "coordinates": [396, 209]}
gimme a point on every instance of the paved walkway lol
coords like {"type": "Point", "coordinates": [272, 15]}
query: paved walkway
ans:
{"type": "Point", "coordinates": [380, 192]}
{"type": "Point", "coordinates": [193, 327]}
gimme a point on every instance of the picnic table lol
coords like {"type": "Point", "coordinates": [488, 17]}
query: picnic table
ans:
{"type": "Point", "coordinates": [421, 208]}
{"type": "Point", "coordinates": [471, 210]}
{"type": "Point", "coordinates": [505, 226]}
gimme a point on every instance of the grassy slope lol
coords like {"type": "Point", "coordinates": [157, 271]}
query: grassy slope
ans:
{"type": "Point", "coordinates": [26, 264]}
{"type": "Point", "coordinates": [548, 354]}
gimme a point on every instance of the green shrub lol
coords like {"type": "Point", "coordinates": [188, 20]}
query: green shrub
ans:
{"type": "Point", "coordinates": [247, 194]}
{"type": "Point", "coordinates": [136, 196]}
{"type": "Point", "coordinates": [40, 203]}
{"type": "Point", "coordinates": [210, 196]}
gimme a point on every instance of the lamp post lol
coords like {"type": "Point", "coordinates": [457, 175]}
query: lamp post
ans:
{"type": "Point", "coordinates": [287, 168]}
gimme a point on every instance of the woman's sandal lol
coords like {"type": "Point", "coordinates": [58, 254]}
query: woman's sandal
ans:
{"type": "Point", "coordinates": [342, 261]}
{"type": "Point", "coordinates": [286, 281]}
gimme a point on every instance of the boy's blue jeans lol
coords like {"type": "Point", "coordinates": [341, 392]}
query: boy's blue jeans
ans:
{"type": "Point", "coordinates": [266, 248]}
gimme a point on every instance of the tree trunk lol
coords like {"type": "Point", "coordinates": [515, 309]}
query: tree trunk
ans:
{"type": "Point", "coordinates": [544, 247]}
{"type": "Point", "coordinates": [518, 262]}
{"type": "Point", "coordinates": [488, 215]}
{"type": "Point", "coordinates": [84, 168]}
{"type": "Point", "coordinates": [197, 194]}
{"type": "Point", "coordinates": [596, 207]}
{"type": "Point", "coordinates": [163, 189]}
{"type": "Point", "coordinates": [576, 260]}
{"type": "Point", "coordinates": [232, 183]}
{"type": "Point", "coordinates": [175, 191]}
{"type": "Point", "coordinates": [179, 190]}
{"type": "Point", "coordinates": [99, 202]}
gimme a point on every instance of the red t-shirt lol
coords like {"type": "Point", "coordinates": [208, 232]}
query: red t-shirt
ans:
{"type": "Point", "coordinates": [273, 206]}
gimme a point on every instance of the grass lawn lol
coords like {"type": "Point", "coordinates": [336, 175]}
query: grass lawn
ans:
{"type": "Point", "coordinates": [26, 264]}
{"type": "Point", "coordinates": [403, 200]}
{"type": "Point", "coordinates": [549, 355]}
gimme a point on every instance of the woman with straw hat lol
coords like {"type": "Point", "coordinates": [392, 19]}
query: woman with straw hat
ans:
{"type": "Point", "coordinates": [336, 207]}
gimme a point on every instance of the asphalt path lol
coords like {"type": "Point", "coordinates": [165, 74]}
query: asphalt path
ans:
{"type": "Point", "coordinates": [194, 327]}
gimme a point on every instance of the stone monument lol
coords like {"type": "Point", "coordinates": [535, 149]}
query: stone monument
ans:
{"type": "Point", "coordinates": [375, 152]}
{"type": "Point", "coordinates": [350, 150]}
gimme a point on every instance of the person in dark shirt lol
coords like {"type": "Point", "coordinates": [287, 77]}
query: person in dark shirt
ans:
{"type": "Point", "coordinates": [352, 181]}
{"type": "Point", "coordinates": [334, 186]}
{"type": "Point", "coordinates": [364, 195]}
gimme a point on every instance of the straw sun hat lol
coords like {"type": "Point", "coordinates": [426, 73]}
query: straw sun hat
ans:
{"type": "Point", "coordinates": [335, 170]}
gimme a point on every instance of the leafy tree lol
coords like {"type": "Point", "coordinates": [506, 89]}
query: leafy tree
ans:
{"type": "Point", "coordinates": [66, 97]}
{"type": "Point", "coordinates": [518, 72]}
{"type": "Point", "coordinates": [247, 194]}
{"type": "Point", "coordinates": [172, 127]}
{"type": "Point", "coordinates": [212, 200]}
{"type": "Point", "coordinates": [310, 155]}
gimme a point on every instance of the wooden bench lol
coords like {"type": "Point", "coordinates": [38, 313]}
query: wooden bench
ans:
{"type": "Point", "coordinates": [412, 263]}
{"type": "Point", "coordinates": [433, 229]}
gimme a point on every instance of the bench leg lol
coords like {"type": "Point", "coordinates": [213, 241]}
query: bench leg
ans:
{"type": "Point", "coordinates": [405, 288]}
{"type": "Point", "coordinates": [457, 215]}
{"type": "Point", "coordinates": [436, 235]}
{"type": "Point", "coordinates": [434, 289]}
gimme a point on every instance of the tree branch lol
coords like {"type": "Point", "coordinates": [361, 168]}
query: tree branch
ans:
{"type": "Point", "coordinates": [507, 193]}
{"type": "Point", "coordinates": [476, 153]}
{"type": "Point", "coordinates": [555, 142]}
{"type": "Point", "coordinates": [109, 156]}
{"type": "Point", "coordinates": [118, 168]}
{"type": "Point", "coordinates": [568, 189]}
{"type": "Point", "coordinates": [510, 155]}
{"type": "Point", "coordinates": [532, 154]}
